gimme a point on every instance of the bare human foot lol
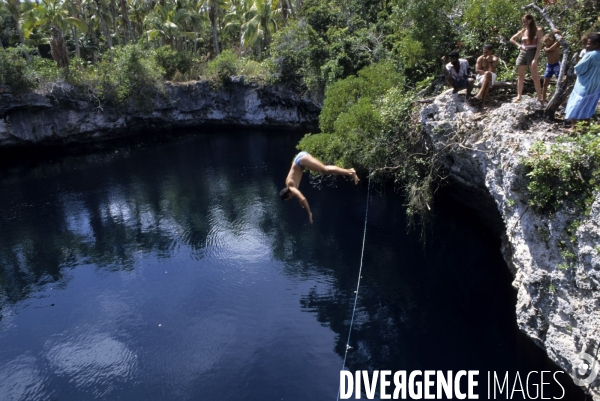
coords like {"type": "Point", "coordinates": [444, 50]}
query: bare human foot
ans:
{"type": "Point", "coordinates": [354, 176]}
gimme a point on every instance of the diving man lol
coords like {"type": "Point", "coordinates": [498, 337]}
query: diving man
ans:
{"type": "Point", "coordinates": [304, 160]}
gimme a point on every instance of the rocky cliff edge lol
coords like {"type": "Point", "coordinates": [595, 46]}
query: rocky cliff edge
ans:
{"type": "Point", "coordinates": [60, 113]}
{"type": "Point", "coordinates": [558, 308]}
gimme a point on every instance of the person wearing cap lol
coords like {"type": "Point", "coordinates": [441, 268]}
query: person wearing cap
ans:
{"type": "Point", "coordinates": [456, 72]}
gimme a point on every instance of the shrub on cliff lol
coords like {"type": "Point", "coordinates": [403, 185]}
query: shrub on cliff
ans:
{"type": "Point", "coordinates": [222, 67]}
{"type": "Point", "coordinates": [568, 170]}
{"type": "Point", "coordinates": [14, 71]}
{"type": "Point", "coordinates": [173, 61]}
{"type": "Point", "coordinates": [368, 123]}
{"type": "Point", "coordinates": [228, 64]}
{"type": "Point", "coordinates": [130, 73]}
{"type": "Point", "coordinates": [297, 53]}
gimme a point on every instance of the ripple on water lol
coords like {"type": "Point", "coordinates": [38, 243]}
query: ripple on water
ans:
{"type": "Point", "coordinates": [92, 361]}
{"type": "Point", "coordinates": [21, 379]}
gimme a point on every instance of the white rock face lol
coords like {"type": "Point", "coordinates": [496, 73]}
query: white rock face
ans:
{"type": "Point", "coordinates": [59, 114]}
{"type": "Point", "coordinates": [558, 308]}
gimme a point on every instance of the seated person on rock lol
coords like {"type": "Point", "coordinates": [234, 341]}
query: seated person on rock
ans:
{"type": "Point", "coordinates": [304, 160]}
{"type": "Point", "coordinates": [486, 72]}
{"type": "Point", "coordinates": [456, 72]}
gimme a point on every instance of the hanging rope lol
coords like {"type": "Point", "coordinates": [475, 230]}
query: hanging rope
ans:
{"type": "Point", "coordinates": [362, 253]}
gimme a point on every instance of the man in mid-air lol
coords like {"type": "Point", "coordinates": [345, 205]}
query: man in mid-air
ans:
{"type": "Point", "coordinates": [304, 160]}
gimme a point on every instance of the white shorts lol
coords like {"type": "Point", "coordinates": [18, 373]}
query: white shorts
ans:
{"type": "Point", "coordinates": [480, 78]}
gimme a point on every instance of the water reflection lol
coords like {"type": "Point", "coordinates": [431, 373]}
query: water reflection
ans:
{"type": "Point", "coordinates": [177, 272]}
{"type": "Point", "coordinates": [104, 213]}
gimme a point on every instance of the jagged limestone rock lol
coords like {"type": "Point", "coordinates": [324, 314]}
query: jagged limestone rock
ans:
{"type": "Point", "coordinates": [59, 113]}
{"type": "Point", "coordinates": [559, 308]}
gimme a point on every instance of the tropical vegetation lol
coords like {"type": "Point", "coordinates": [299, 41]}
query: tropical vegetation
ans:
{"type": "Point", "coordinates": [363, 60]}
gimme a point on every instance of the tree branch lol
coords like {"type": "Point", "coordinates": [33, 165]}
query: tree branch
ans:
{"type": "Point", "coordinates": [560, 85]}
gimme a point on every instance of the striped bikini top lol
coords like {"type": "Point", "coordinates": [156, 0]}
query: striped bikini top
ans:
{"type": "Point", "coordinates": [531, 46]}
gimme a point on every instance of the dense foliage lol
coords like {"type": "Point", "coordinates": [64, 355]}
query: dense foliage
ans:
{"type": "Point", "coordinates": [14, 71]}
{"type": "Point", "coordinates": [568, 170]}
{"type": "Point", "coordinates": [304, 43]}
{"type": "Point", "coordinates": [368, 123]}
{"type": "Point", "coordinates": [362, 59]}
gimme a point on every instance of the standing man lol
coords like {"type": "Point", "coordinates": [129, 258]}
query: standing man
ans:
{"type": "Point", "coordinates": [456, 72]}
{"type": "Point", "coordinates": [304, 160]}
{"type": "Point", "coordinates": [486, 72]}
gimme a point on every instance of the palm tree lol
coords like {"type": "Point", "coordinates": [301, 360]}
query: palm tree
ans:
{"type": "Point", "coordinates": [103, 23]}
{"type": "Point", "coordinates": [138, 13]}
{"type": "Point", "coordinates": [166, 22]}
{"type": "Point", "coordinates": [75, 10]}
{"type": "Point", "coordinates": [14, 8]}
{"type": "Point", "coordinates": [259, 24]}
{"type": "Point", "coordinates": [234, 19]}
{"type": "Point", "coordinates": [124, 13]}
{"type": "Point", "coordinates": [54, 15]}
{"type": "Point", "coordinates": [197, 19]}
{"type": "Point", "coordinates": [213, 8]}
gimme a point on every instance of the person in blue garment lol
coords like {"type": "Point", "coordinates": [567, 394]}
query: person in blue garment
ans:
{"type": "Point", "coordinates": [586, 92]}
{"type": "Point", "coordinates": [304, 160]}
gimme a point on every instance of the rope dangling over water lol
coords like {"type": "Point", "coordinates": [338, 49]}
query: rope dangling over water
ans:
{"type": "Point", "coordinates": [362, 253]}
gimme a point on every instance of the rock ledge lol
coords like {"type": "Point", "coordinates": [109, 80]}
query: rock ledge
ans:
{"type": "Point", "coordinates": [559, 309]}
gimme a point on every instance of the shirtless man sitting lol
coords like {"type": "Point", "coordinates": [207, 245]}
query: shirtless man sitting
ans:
{"type": "Point", "coordinates": [304, 160]}
{"type": "Point", "coordinates": [486, 72]}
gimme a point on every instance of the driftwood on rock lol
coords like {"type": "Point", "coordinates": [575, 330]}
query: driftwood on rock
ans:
{"type": "Point", "coordinates": [499, 84]}
{"type": "Point", "coordinates": [434, 87]}
{"type": "Point", "coordinates": [559, 94]}
{"type": "Point", "coordinates": [566, 88]}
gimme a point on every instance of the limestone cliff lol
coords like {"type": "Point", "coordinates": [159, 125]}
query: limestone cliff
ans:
{"type": "Point", "coordinates": [558, 308]}
{"type": "Point", "coordinates": [59, 113]}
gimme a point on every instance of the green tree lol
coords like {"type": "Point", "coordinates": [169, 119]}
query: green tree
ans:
{"type": "Point", "coordinates": [14, 8]}
{"type": "Point", "coordinates": [259, 24]}
{"type": "Point", "coordinates": [54, 16]}
{"type": "Point", "coordinates": [167, 22]}
{"type": "Point", "coordinates": [214, 9]}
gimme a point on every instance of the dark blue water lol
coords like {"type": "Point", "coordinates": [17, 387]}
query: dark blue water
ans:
{"type": "Point", "coordinates": [170, 270]}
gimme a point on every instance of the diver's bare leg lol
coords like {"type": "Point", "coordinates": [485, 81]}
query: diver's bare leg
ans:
{"type": "Point", "coordinates": [313, 164]}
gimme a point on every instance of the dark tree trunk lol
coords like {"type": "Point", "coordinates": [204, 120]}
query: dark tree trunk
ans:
{"type": "Point", "coordinates": [291, 6]}
{"type": "Point", "coordinates": [58, 46]}
{"type": "Point", "coordinates": [76, 40]}
{"type": "Point", "coordinates": [127, 21]}
{"type": "Point", "coordinates": [561, 86]}
{"type": "Point", "coordinates": [566, 88]}
{"type": "Point", "coordinates": [104, 27]}
{"type": "Point", "coordinates": [284, 12]}
{"type": "Point", "coordinates": [213, 22]}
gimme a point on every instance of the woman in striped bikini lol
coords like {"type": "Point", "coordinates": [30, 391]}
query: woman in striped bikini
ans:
{"type": "Point", "coordinates": [529, 51]}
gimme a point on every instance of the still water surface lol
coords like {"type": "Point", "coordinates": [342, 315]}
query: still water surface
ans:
{"type": "Point", "coordinates": [172, 271]}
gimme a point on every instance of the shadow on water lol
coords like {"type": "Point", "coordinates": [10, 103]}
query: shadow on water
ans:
{"type": "Point", "coordinates": [446, 306]}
